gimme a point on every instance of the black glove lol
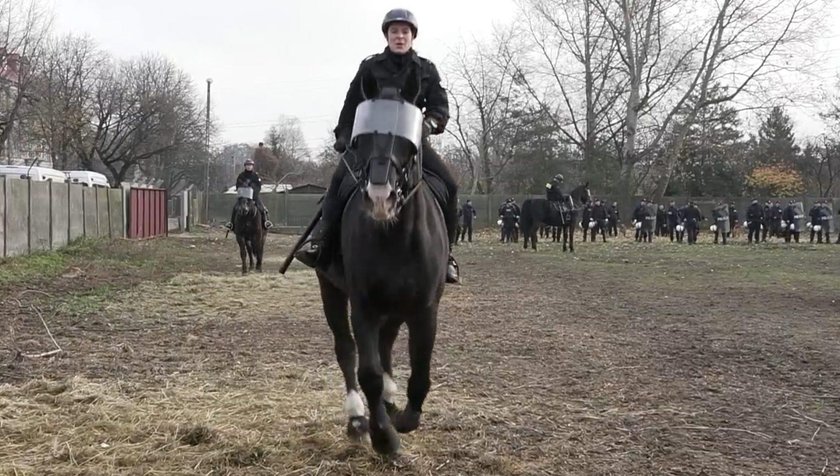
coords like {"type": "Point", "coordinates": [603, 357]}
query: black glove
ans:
{"type": "Point", "coordinates": [433, 125]}
{"type": "Point", "coordinates": [341, 140]}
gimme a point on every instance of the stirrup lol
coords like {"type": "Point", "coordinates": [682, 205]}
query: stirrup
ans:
{"type": "Point", "coordinates": [229, 226]}
{"type": "Point", "coordinates": [268, 224]}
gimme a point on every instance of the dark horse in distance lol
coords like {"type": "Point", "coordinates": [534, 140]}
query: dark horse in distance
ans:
{"type": "Point", "coordinates": [248, 228]}
{"type": "Point", "coordinates": [390, 268]}
{"type": "Point", "coordinates": [539, 211]}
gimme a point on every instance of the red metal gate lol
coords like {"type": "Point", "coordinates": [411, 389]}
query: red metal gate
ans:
{"type": "Point", "coordinates": [147, 215]}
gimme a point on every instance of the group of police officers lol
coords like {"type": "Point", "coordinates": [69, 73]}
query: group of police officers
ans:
{"type": "Point", "coordinates": [683, 224]}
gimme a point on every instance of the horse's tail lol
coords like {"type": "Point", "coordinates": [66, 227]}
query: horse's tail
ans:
{"type": "Point", "coordinates": [526, 217]}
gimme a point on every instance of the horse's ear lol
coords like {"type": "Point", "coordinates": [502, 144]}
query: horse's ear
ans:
{"type": "Point", "coordinates": [370, 89]}
{"type": "Point", "coordinates": [411, 90]}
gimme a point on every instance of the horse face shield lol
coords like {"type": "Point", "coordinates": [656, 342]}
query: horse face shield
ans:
{"type": "Point", "coordinates": [393, 130]}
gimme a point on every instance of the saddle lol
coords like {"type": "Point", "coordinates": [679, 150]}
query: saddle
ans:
{"type": "Point", "coordinates": [561, 211]}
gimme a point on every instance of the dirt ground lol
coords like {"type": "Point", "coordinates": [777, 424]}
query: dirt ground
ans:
{"type": "Point", "coordinates": [623, 358]}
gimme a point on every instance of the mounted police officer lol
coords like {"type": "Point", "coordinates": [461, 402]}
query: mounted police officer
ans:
{"type": "Point", "coordinates": [555, 191]}
{"type": "Point", "coordinates": [250, 178]}
{"type": "Point", "coordinates": [674, 218]}
{"type": "Point", "coordinates": [755, 217]}
{"type": "Point", "coordinates": [392, 68]}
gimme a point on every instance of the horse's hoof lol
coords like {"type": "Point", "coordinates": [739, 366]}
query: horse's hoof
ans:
{"type": "Point", "coordinates": [259, 269]}
{"type": "Point", "coordinates": [385, 441]}
{"type": "Point", "coordinates": [407, 421]}
{"type": "Point", "coordinates": [357, 428]}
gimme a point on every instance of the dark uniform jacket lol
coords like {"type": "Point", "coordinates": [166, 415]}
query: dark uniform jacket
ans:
{"type": "Point", "coordinates": [250, 179]}
{"type": "Point", "coordinates": [467, 214]}
{"type": "Point", "coordinates": [789, 215]}
{"type": "Point", "coordinates": [554, 193]}
{"type": "Point", "coordinates": [599, 214]}
{"type": "Point", "coordinates": [755, 213]}
{"type": "Point", "coordinates": [392, 70]}
{"type": "Point", "coordinates": [640, 212]}
{"type": "Point", "coordinates": [692, 215]}
{"type": "Point", "coordinates": [612, 213]}
{"type": "Point", "coordinates": [674, 216]}
{"type": "Point", "coordinates": [661, 217]}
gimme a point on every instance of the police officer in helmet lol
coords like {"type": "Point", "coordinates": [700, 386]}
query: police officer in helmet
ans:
{"type": "Point", "coordinates": [250, 178]}
{"type": "Point", "coordinates": [391, 68]}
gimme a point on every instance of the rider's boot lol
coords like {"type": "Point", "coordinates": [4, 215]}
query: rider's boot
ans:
{"type": "Point", "coordinates": [319, 239]}
{"type": "Point", "coordinates": [312, 256]}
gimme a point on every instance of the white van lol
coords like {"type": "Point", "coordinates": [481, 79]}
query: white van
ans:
{"type": "Point", "coordinates": [38, 174]}
{"type": "Point", "coordinates": [87, 178]}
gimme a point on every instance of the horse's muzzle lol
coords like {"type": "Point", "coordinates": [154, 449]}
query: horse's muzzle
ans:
{"type": "Point", "coordinates": [383, 201]}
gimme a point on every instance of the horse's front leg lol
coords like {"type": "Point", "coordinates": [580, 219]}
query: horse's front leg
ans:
{"type": "Point", "coordinates": [250, 244]}
{"type": "Point", "coordinates": [335, 310]}
{"type": "Point", "coordinates": [260, 248]}
{"type": "Point", "coordinates": [387, 336]}
{"type": "Point", "coordinates": [242, 252]}
{"type": "Point", "coordinates": [366, 328]}
{"type": "Point", "coordinates": [422, 329]}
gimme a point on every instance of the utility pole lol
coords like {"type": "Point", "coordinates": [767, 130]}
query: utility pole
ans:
{"type": "Point", "coordinates": [207, 150]}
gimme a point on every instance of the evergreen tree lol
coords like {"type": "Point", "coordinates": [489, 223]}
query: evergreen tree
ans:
{"type": "Point", "coordinates": [776, 141]}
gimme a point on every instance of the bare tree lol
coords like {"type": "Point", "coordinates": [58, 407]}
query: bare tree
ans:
{"type": "Point", "coordinates": [24, 26]}
{"type": "Point", "coordinates": [63, 87]}
{"type": "Point", "coordinates": [655, 51]}
{"type": "Point", "coordinates": [485, 109]}
{"type": "Point", "coordinates": [142, 110]}
{"type": "Point", "coordinates": [820, 164]}
{"type": "Point", "coordinates": [571, 72]}
{"type": "Point", "coordinates": [287, 145]}
{"type": "Point", "coordinates": [744, 45]}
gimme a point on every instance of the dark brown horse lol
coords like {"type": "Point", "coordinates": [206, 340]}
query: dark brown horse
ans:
{"type": "Point", "coordinates": [391, 268]}
{"type": "Point", "coordinates": [539, 211]}
{"type": "Point", "coordinates": [248, 228]}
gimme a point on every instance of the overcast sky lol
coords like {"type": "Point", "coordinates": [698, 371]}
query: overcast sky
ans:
{"type": "Point", "coordinates": [294, 57]}
{"type": "Point", "coordinates": [271, 57]}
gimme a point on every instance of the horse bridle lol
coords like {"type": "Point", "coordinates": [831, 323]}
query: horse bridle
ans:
{"type": "Point", "coordinates": [415, 162]}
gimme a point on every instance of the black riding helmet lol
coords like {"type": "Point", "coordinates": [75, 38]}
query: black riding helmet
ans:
{"type": "Point", "coordinates": [399, 15]}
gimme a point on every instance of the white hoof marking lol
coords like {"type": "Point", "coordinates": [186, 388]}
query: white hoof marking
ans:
{"type": "Point", "coordinates": [389, 388]}
{"type": "Point", "coordinates": [353, 405]}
